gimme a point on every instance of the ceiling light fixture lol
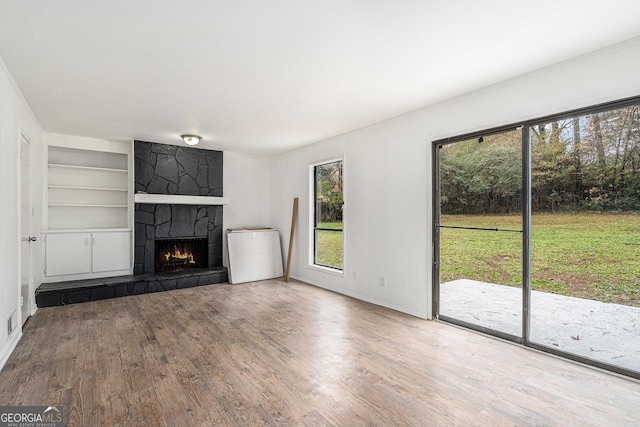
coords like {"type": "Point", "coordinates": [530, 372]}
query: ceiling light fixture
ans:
{"type": "Point", "coordinates": [190, 139]}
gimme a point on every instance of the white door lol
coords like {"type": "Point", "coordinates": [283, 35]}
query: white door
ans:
{"type": "Point", "coordinates": [26, 236]}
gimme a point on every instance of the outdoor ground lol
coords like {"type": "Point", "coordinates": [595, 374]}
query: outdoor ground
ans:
{"type": "Point", "coordinates": [604, 332]}
{"type": "Point", "coordinates": [330, 247]}
{"type": "Point", "coordinates": [586, 255]}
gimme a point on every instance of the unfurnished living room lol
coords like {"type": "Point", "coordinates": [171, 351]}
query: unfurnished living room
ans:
{"type": "Point", "coordinates": [319, 213]}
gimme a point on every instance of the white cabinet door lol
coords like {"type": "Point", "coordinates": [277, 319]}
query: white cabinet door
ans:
{"type": "Point", "coordinates": [68, 253]}
{"type": "Point", "coordinates": [111, 251]}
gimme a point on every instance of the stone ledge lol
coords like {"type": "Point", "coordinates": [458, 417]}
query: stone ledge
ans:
{"type": "Point", "coordinates": [78, 291]}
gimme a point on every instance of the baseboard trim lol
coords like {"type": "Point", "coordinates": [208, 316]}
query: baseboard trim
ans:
{"type": "Point", "coordinates": [9, 347]}
{"type": "Point", "coordinates": [362, 298]}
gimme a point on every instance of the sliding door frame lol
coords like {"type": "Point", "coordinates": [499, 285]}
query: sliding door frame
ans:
{"type": "Point", "coordinates": [524, 127]}
{"type": "Point", "coordinates": [437, 145]}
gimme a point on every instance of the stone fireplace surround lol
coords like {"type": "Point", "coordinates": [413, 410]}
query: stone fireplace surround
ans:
{"type": "Point", "coordinates": [175, 170]}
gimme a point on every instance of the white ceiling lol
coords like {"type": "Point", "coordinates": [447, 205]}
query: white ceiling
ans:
{"type": "Point", "coordinates": [266, 76]}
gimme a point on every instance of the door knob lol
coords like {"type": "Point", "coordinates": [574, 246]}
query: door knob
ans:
{"type": "Point", "coordinates": [33, 239]}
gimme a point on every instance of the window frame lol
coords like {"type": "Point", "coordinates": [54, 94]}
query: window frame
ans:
{"type": "Point", "coordinates": [313, 218]}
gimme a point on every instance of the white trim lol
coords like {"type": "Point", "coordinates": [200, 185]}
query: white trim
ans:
{"type": "Point", "coordinates": [66, 187]}
{"type": "Point", "coordinates": [79, 205]}
{"type": "Point", "coordinates": [310, 197]}
{"type": "Point", "coordinates": [30, 297]}
{"type": "Point", "coordinates": [87, 276]}
{"type": "Point", "coordinates": [10, 345]}
{"type": "Point", "coordinates": [19, 319]}
{"type": "Point", "coordinates": [329, 270]}
{"type": "Point", "coordinates": [362, 298]}
{"type": "Point", "coordinates": [92, 168]}
{"type": "Point", "coordinates": [90, 144]}
{"type": "Point", "coordinates": [179, 200]}
{"type": "Point", "coordinates": [86, 230]}
{"type": "Point", "coordinates": [16, 88]}
{"type": "Point", "coordinates": [330, 159]}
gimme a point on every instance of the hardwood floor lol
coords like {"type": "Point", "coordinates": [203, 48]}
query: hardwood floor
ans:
{"type": "Point", "coordinates": [276, 353]}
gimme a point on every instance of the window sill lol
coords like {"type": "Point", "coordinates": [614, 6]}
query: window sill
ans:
{"type": "Point", "coordinates": [329, 270]}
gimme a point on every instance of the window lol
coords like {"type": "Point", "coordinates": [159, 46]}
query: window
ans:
{"type": "Point", "coordinates": [328, 203]}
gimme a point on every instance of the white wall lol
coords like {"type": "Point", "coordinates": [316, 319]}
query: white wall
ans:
{"type": "Point", "coordinates": [15, 118]}
{"type": "Point", "coordinates": [388, 173]}
{"type": "Point", "coordinates": [247, 184]}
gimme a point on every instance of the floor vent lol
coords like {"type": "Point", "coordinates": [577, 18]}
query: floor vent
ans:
{"type": "Point", "coordinates": [11, 323]}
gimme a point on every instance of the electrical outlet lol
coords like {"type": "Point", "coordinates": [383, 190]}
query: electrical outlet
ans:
{"type": "Point", "coordinates": [383, 281]}
{"type": "Point", "coordinates": [21, 300]}
{"type": "Point", "coordinates": [354, 276]}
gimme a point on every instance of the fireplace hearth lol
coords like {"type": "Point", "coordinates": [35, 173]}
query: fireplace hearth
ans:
{"type": "Point", "coordinates": [180, 254]}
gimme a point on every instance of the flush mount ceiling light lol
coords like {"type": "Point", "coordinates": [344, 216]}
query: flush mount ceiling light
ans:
{"type": "Point", "coordinates": [190, 139]}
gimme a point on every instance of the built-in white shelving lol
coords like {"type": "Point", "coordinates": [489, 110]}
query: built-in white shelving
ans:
{"type": "Point", "coordinates": [81, 205]}
{"type": "Point", "coordinates": [89, 168]}
{"type": "Point", "coordinates": [66, 187]}
{"type": "Point", "coordinates": [87, 189]}
{"type": "Point", "coordinates": [89, 209]}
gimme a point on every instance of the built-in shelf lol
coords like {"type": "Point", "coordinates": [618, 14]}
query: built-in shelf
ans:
{"type": "Point", "coordinates": [167, 199]}
{"type": "Point", "coordinates": [82, 205]}
{"type": "Point", "coordinates": [89, 209]}
{"type": "Point", "coordinates": [87, 188]}
{"type": "Point", "coordinates": [86, 230]}
{"type": "Point", "coordinates": [67, 187]}
{"type": "Point", "coordinates": [92, 168]}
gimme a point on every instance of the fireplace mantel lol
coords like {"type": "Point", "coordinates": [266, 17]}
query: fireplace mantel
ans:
{"type": "Point", "coordinates": [167, 199]}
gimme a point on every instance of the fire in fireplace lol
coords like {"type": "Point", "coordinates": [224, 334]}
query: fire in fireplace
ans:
{"type": "Point", "coordinates": [181, 254]}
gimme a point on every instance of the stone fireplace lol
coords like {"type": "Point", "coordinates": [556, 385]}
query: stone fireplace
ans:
{"type": "Point", "coordinates": [183, 171]}
{"type": "Point", "coordinates": [159, 222]}
{"type": "Point", "coordinates": [170, 224]}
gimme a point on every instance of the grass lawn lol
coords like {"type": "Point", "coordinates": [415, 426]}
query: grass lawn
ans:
{"type": "Point", "coordinates": [330, 247]}
{"type": "Point", "coordinates": [588, 255]}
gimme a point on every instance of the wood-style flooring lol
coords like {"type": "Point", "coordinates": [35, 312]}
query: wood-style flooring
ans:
{"type": "Point", "coordinates": [276, 353]}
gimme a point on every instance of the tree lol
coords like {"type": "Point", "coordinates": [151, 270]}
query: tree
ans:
{"type": "Point", "coordinates": [329, 192]}
{"type": "Point", "coordinates": [482, 177]}
{"type": "Point", "coordinates": [589, 162]}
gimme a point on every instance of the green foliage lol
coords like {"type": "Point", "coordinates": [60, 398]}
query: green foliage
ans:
{"type": "Point", "coordinates": [482, 177]}
{"type": "Point", "coordinates": [329, 188]}
{"type": "Point", "coordinates": [589, 163]}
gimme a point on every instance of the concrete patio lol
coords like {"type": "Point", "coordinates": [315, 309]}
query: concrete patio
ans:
{"type": "Point", "coordinates": [604, 332]}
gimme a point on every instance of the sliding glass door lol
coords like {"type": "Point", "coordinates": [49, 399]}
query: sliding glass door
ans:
{"type": "Point", "coordinates": [585, 236]}
{"type": "Point", "coordinates": [537, 234]}
{"type": "Point", "coordinates": [479, 226]}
